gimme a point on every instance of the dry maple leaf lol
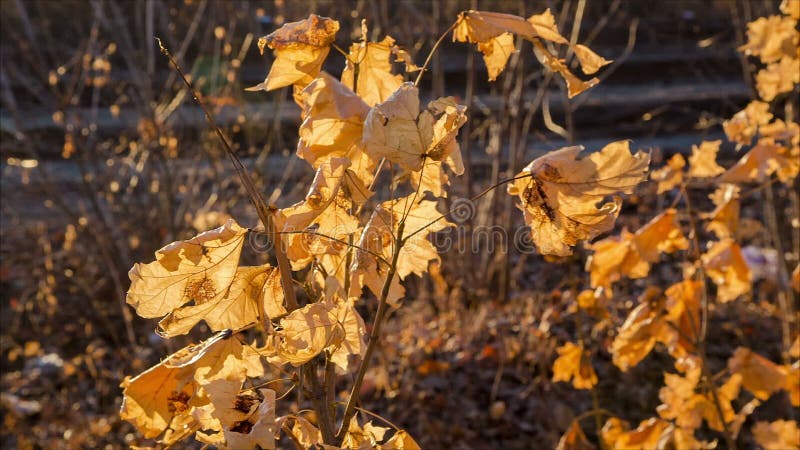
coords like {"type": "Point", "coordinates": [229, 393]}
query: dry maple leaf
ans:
{"type": "Point", "coordinates": [590, 61]}
{"type": "Point", "coordinates": [240, 306]}
{"type": "Point", "coordinates": [764, 159]}
{"type": "Point", "coordinates": [771, 38]}
{"type": "Point", "coordinates": [777, 435]}
{"type": "Point", "coordinates": [333, 120]}
{"type": "Point", "coordinates": [791, 8]}
{"type": "Point", "coordinates": [671, 175]}
{"type": "Point", "coordinates": [198, 270]}
{"type": "Point", "coordinates": [305, 333]}
{"type": "Point", "coordinates": [375, 80]}
{"type": "Point", "coordinates": [724, 220]}
{"type": "Point", "coordinates": [743, 126]}
{"type": "Point", "coordinates": [379, 238]}
{"type": "Point", "coordinates": [647, 324]}
{"type": "Point", "coordinates": [300, 49]}
{"type": "Point", "coordinates": [777, 78]}
{"type": "Point", "coordinates": [726, 267]}
{"type": "Point", "coordinates": [760, 376]}
{"type": "Point", "coordinates": [574, 439]}
{"type": "Point", "coordinates": [573, 363]}
{"type": "Point", "coordinates": [366, 437]}
{"type": "Point", "coordinates": [397, 130]}
{"type": "Point", "coordinates": [630, 255]}
{"type": "Point", "coordinates": [496, 52]}
{"type": "Point", "coordinates": [152, 399]}
{"type": "Point", "coordinates": [703, 162]}
{"type": "Point", "coordinates": [318, 224]}
{"type": "Point", "coordinates": [650, 433]}
{"type": "Point", "coordinates": [559, 193]}
{"type": "Point", "coordinates": [487, 29]}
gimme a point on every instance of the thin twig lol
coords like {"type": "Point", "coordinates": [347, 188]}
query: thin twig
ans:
{"type": "Point", "coordinates": [264, 212]}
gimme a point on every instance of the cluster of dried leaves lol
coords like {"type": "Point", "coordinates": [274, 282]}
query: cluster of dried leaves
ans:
{"type": "Point", "coordinates": [677, 317]}
{"type": "Point", "coordinates": [352, 127]}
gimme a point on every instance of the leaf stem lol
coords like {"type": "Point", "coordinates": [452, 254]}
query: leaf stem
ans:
{"type": "Point", "coordinates": [433, 50]}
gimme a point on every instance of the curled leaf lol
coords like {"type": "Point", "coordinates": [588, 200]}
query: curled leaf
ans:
{"type": "Point", "coordinates": [300, 49]}
{"type": "Point", "coordinates": [559, 193]}
{"type": "Point", "coordinates": [728, 269]}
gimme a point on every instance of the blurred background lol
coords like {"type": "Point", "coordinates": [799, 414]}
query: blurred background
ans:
{"type": "Point", "coordinates": [105, 158]}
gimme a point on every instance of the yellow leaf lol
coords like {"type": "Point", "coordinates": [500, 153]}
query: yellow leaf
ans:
{"type": "Point", "coordinates": [306, 433]}
{"type": "Point", "coordinates": [760, 376]}
{"type": "Point", "coordinates": [307, 332]}
{"type": "Point", "coordinates": [559, 193]}
{"type": "Point", "coordinates": [376, 82]}
{"type": "Point", "coordinates": [763, 160]}
{"type": "Point", "coordinates": [318, 224]}
{"type": "Point", "coordinates": [661, 235]}
{"type": "Point", "coordinates": [613, 258]}
{"type": "Point", "coordinates": [703, 162]}
{"type": "Point", "coordinates": [398, 131]}
{"type": "Point", "coordinates": [496, 52]}
{"type": "Point", "coordinates": [238, 308]}
{"type": "Point", "coordinates": [574, 439]}
{"type": "Point", "coordinates": [777, 78]}
{"type": "Point", "coordinates": [726, 267]}
{"type": "Point", "coordinates": [791, 8]}
{"type": "Point", "coordinates": [431, 178]}
{"type": "Point", "coordinates": [153, 398]}
{"type": "Point", "coordinates": [777, 435]}
{"type": "Point", "coordinates": [400, 441]}
{"type": "Point", "coordinates": [575, 85]}
{"type": "Point", "coordinates": [771, 38]}
{"type": "Point", "coordinates": [724, 220]}
{"type": "Point", "coordinates": [544, 25]}
{"type": "Point", "coordinates": [590, 61]}
{"type": "Point", "coordinates": [258, 429]}
{"type": "Point", "coordinates": [743, 126]}
{"type": "Point", "coordinates": [649, 434]}
{"type": "Point", "coordinates": [199, 270]}
{"type": "Point", "coordinates": [300, 49]}
{"type": "Point", "coordinates": [670, 175]}
{"type": "Point", "coordinates": [573, 363]}
{"type": "Point", "coordinates": [367, 437]}
{"type": "Point", "coordinates": [333, 119]}
{"type": "Point", "coordinates": [483, 28]}
{"type": "Point", "coordinates": [355, 332]}
{"type": "Point", "coordinates": [680, 402]}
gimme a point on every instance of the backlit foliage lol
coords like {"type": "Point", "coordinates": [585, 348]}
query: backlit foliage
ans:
{"type": "Point", "coordinates": [694, 401]}
{"type": "Point", "coordinates": [350, 232]}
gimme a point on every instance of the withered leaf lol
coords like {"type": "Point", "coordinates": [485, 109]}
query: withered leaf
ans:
{"type": "Point", "coordinates": [559, 193]}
